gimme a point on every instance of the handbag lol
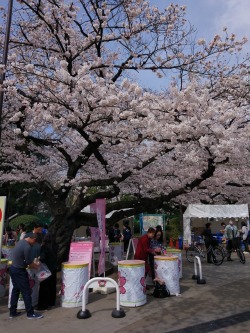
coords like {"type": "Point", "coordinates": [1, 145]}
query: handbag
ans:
{"type": "Point", "coordinates": [43, 272]}
{"type": "Point", "coordinates": [161, 290]}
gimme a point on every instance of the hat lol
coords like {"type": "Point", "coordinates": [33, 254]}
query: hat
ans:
{"type": "Point", "coordinates": [31, 235]}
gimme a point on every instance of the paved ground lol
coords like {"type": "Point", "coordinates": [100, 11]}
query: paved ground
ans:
{"type": "Point", "coordinates": [222, 305]}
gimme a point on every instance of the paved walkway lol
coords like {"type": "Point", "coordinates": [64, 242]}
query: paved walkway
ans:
{"type": "Point", "coordinates": [222, 305]}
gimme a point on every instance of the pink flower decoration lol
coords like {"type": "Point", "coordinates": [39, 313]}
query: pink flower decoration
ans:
{"type": "Point", "coordinates": [102, 283]}
{"type": "Point", "coordinates": [62, 289]}
{"type": "Point", "coordinates": [32, 283]}
{"type": "Point", "coordinates": [143, 283]}
{"type": "Point", "coordinates": [121, 281]}
{"type": "Point", "coordinates": [3, 275]}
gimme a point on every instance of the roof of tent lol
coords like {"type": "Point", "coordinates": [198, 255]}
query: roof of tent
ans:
{"type": "Point", "coordinates": [216, 211]}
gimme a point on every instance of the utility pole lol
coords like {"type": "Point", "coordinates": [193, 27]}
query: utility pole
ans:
{"type": "Point", "coordinates": [5, 58]}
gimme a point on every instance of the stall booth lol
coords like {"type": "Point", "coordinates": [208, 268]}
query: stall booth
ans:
{"type": "Point", "coordinates": [218, 212]}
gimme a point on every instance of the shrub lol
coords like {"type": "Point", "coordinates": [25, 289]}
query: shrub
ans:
{"type": "Point", "coordinates": [28, 220]}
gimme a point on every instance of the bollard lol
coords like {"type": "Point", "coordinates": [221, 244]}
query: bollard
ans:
{"type": "Point", "coordinates": [108, 282]}
{"type": "Point", "coordinates": [196, 276]}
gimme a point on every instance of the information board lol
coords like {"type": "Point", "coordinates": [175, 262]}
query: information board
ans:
{"type": "Point", "coordinates": [151, 220]}
{"type": "Point", "coordinates": [82, 252]}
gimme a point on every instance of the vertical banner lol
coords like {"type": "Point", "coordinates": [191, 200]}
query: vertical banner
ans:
{"type": "Point", "coordinates": [101, 218]}
{"type": "Point", "coordinates": [2, 215]}
{"type": "Point", "coordinates": [95, 237]}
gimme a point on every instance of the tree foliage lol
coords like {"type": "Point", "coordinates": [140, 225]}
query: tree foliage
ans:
{"type": "Point", "coordinates": [78, 127]}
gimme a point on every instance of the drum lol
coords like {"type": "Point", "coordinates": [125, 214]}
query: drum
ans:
{"type": "Point", "coordinates": [116, 253]}
{"type": "Point", "coordinates": [177, 253]}
{"type": "Point", "coordinates": [166, 268]}
{"type": "Point", "coordinates": [74, 277]}
{"type": "Point", "coordinates": [131, 280]}
{"type": "Point", "coordinates": [3, 276]}
{"type": "Point", "coordinates": [34, 284]}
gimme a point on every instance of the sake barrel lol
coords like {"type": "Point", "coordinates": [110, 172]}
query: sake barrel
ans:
{"type": "Point", "coordinates": [7, 251]}
{"type": "Point", "coordinates": [116, 252]}
{"type": "Point", "coordinates": [166, 268]}
{"type": "Point", "coordinates": [177, 253]}
{"type": "Point", "coordinates": [74, 277]}
{"type": "Point", "coordinates": [3, 276]}
{"type": "Point", "coordinates": [132, 284]}
{"type": "Point", "coordinates": [34, 285]}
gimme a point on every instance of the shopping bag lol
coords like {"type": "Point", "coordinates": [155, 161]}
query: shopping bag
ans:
{"type": "Point", "coordinates": [43, 272]}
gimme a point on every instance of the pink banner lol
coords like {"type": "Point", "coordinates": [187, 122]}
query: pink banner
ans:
{"type": "Point", "coordinates": [101, 218]}
{"type": "Point", "coordinates": [95, 237]}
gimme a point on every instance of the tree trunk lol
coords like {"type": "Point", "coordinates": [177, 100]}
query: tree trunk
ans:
{"type": "Point", "coordinates": [62, 228]}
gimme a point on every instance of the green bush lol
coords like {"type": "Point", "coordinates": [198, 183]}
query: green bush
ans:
{"type": "Point", "coordinates": [28, 220]}
{"type": "Point", "coordinates": [174, 228]}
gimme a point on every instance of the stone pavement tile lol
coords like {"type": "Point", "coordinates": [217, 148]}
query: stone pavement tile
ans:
{"type": "Point", "coordinates": [224, 295]}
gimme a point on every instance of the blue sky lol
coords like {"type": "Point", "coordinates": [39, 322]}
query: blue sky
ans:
{"type": "Point", "coordinates": [209, 17]}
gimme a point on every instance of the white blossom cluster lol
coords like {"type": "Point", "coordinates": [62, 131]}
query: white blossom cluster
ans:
{"type": "Point", "coordinates": [74, 121]}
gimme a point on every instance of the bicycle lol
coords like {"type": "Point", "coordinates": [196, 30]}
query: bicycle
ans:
{"type": "Point", "coordinates": [197, 250]}
{"type": "Point", "coordinates": [236, 248]}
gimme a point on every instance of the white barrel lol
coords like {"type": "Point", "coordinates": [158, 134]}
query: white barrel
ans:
{"type": "Point", "coordinates": [34, 284]}
{"type": "Point", "coordinates": [177, 253]}
{"type": "Point", "coordinates": [131, 280]}
{"type": "Point", "coordinates": [116, 252]}
{"type": "Point", "coordinates": [3, 276]}
{"type": "Point", "coordinates": [7, 252]}
{"type": "Point", "coordinates": [74, 277]}
{"type": "Point", "coordinates": [166, 268]}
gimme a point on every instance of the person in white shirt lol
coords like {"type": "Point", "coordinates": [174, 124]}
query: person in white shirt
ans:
{"type": "Point", "coordinates": [244, 233]}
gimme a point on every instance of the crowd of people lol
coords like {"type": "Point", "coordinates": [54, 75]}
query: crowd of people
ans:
{"type": "Point", "coordinates": [231, 235]}
{"type": "Point", "coordinates": [30, 250]}
{"type": "Point", "coordinates": [39, 243]}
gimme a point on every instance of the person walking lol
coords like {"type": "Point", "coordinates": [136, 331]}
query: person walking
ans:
{"type": "Point", "coordinates": [126, 235]}
{"type": "Point", "coordinates": [231, 232]}
{"type": "Point", "coordinates": [21, 259]}
{"type": "Point", "coordinates": [209, 240]}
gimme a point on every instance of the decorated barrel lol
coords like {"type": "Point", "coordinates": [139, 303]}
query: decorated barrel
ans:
{"type": "Point", "coordinates": [166, 268]}
{"type": "Point", "coordinates": [116, 252]}
{"type": "Point", "coordinates": [34, 285]}
{"type": "Point", "coordinates": [177, 253]}
{"type": "Point", "coordinates": [74, 277]}
{"type": "Point", "coordinates": [3, 276]}
{"type": "Point", "coordinates": [7, 251]}
{"type": "Point", "coordinates": [132, 284]}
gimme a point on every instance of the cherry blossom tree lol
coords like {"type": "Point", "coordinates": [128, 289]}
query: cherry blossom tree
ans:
{"type": "Point", "coordinates": [78, 127]}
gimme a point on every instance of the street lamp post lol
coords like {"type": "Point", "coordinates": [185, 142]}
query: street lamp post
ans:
{"type": "Point", "coordinates": [5, 58]}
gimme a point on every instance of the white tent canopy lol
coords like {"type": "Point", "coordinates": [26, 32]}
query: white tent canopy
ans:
{"type": "Point", "coordinates": [209, 211]}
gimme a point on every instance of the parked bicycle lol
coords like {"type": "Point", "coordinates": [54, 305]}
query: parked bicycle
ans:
{"type": "Point", "coordinates": [198, 250]}
{"type": "Point", "coordinates": [236, 248]}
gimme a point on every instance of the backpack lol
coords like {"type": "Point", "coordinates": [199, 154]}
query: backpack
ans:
{"type": "Point", "coordinates": [161, 290]}
{"type": "Point", "coordinates": [127, 234]}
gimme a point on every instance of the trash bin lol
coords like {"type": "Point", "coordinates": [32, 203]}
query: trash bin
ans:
{"type": "Point", "coordinates": [131, 280]}
{"type": "Point", "coordinates": [3, 276]}
{"type": "Point", "coordinates": [166, 268]}
{"type": "Point", "coordinates": [177, 253]}
{"type": "Point", "coordinates": [74, 277]}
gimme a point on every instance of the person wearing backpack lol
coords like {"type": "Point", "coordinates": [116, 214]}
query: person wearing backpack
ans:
{"type": "Point", "coordinates": [126, 234]}
{"type": "Point", "coordinates": [244, 235]}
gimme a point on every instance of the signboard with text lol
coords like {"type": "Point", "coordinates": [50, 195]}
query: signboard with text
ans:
{"type": "Point", "coordinates": [82, 252]}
